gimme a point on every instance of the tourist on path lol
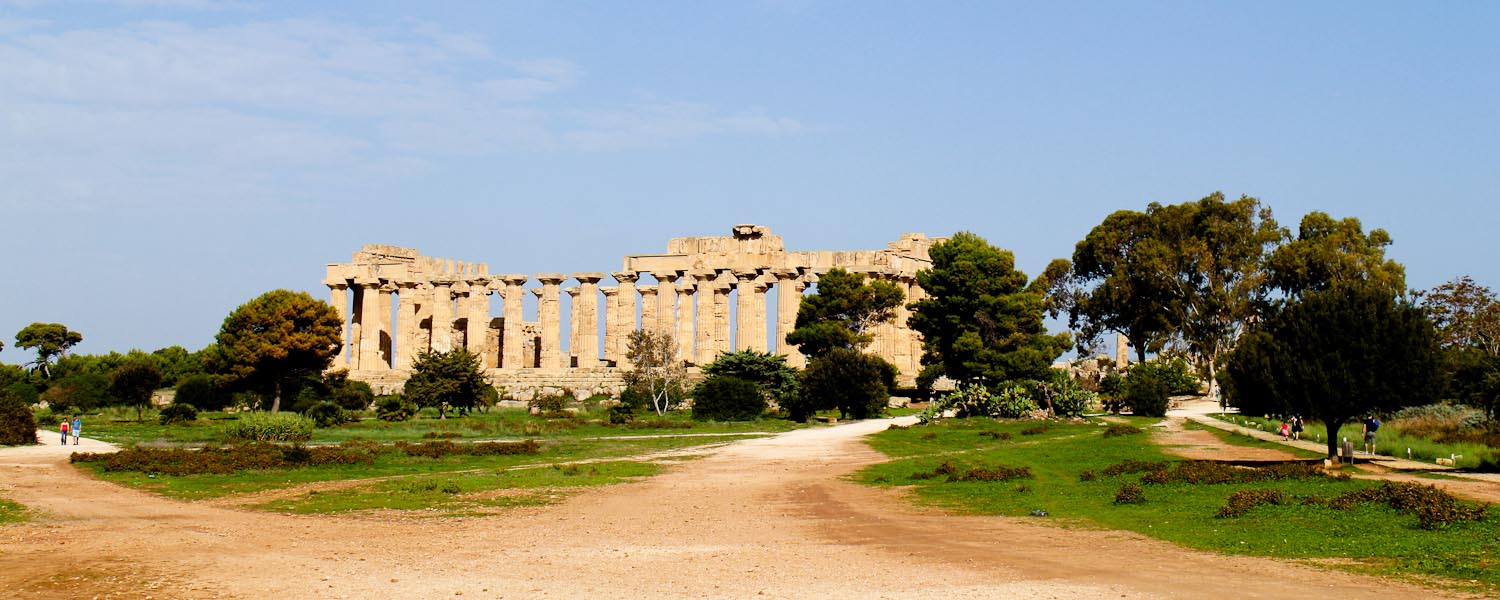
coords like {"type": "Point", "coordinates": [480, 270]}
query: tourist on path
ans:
{"type": "Point", "coordinates": [77, 428]}
{"type": "Point", "coordinates": [1286, 431]}
{"type": "Point", "coordinates": [1296, 427]}
{"type": "Point", "coordinates": [64, 429]}
{"type": "Point", "coordinates": [1372, 425]}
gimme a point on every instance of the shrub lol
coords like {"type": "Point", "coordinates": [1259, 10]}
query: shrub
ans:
{"type": "Point", "coordinates": [969, 400]}
{"type": "Point", "coordinates": [550, 403]}
{"type": "Point", "coordinates": [178, 412]}
{"type": "Point", "coordinates": [45, 418]}
{"type": "Point", "coordinates": [954, 473]}
{"type": "Point", "coordinates": [1434, 508]}
{"type": "Point", "coordinates": [354, 395]}
{"type": "Point", "coordinates": [1146, 393]}
{"type": "Point", "coordinates": [994, 435]}
{"type": "Point", "coordinates": [270, 427]}
{"type": "Point", "coordinates": [1014, 401]}
{"type": "Point", "coordinates": [394, 408]}
{"type": "Point", "coordinates": [727, 398]}
{"type": "Point", "coordinates": [1118, 430]}
{"type": "Point", "coordinates": [1130, 493]}
{"type": "Point", "coordinates": [17, 424]}
{"type": "Point", "coordinates": [216, 460]}
{"type": "Point", "coordinates": [1035, 430]}
{"type": "Point", "coordinates": [447, 435]}
{"type": "Point", "coordinates": [328, 414]}
{"type": "Point", "coordinates": [1131, 465]}
{"type": "Point", "coordinates": [1087, 475]}
{"type": "Point", "coordinates": [621, 414]}
{"type": "Point", "coordinates": [443, 448]}
{"type": "Point", "coordinates": [1242, 501]}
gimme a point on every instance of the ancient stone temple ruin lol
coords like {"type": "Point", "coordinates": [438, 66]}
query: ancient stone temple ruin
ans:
{"type": "Point", "coordinates": [397, 303]}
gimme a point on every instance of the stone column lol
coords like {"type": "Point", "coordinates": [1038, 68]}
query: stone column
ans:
{"type": "Point", "coordinates": [666, 300]}
{"type": "Point", "coordinates": [1122, 351]}
{"type": "Point", "coordinates": [587, 308]}
{"type": "Point", "coordinates": [914, 293]}
{"type": "Point", "coordinates": [407, 317]}
{"type": "Point", "coordinates": [721, 314]}
{"type": "Point", "coordinates": [707, 289]}
{"type": "Point", "coordinates": [511, 344]}
{"type": "Point", "coordinates": [684, 335]}
{"type": "Point", "coordinates": [369, 323]}
{"type": "Point", "coordinates": [339, 296]}
{"type": "Point", "coordinates": [649, 305]}
{"type": "Point", "coordinates": [788, 299]}
{"type": "Point", "coordinates": [884, 334]}
{"type": "Point", "coordinates": [611, 323]}
{"type": "Point", "coordinates": [387, 341]}
{"type": "Point", "coordinates": [549, 313]}
{"type": "Point", "coordinates": [572, 292]}
{"type": "Point", "coordinates": [478, 328]}
{"type": "Point", "coordinates": [749, 288]}
{"type": "Point", "coordinates": [625, 323]}
{"type": "Point", "coordinates": [442, 315]}
{"type": "Point", "coordinates": [901, 337]}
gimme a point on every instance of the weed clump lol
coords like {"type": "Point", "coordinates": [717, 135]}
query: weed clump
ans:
{"type": "Point", "coordinates": [1130, 493]}
{"type": "Point", "coordinates": [659, 424]}
{"type": "Point", "coordinates": [446, 435]}
{"type": "Point", "coordinates": [443, 448]}
{"type": "Point", "coordinates": [996, 435]}
{"type": "Point", "coordinates": [1197, 472]}
{"type": "Point", "coordinates": [1087, 475]}
{"type": "Point", "coordinates": [1242, 501]}
{"type": "Point", "coordinates": [1131, 465]}
{"type": "Point", "coordinates": [223, 461]}
{"type": "Point", "coordinates": [954, 473]}
{"type": "Point", "coordinates": [1035, 430]}
{"type": "Point", "coordinates": [1118, 430]}
{"type": "Point", "coordinates": [270, 427]}
{"type": "Point", "coordinates": [1434, 508]}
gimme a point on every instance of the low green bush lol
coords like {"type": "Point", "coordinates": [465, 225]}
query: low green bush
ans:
{"type": "Point", "coordinates": [177, 412]}
{"type": "Point", "coordinates": [1146, 393]}
{"type": "Point", "coordinates": [1120, 429]}
{"type": "Point", "coordinates": [621, 414]}
{"type": "Point", "coordinates": [1434, 508]}
{"type": "Point", "coordinates": [17, 424]}
{"type": "Point", "coordinates": [1242, 501]}
{"type": "Point", "coordinates": [443, 448]}
{"type": "Point", "coordinates": [1130, 493]}
{"type": "Point", "coordinates": [954, 473]}
{"type": "Point", "coordinates": [727, 398]}
{"type": "Point", "coordinates": [328, 414]}
{"type": "Point", "coordinates": [270, 427]}
{"type": "Point", "coordinates": [394, 408]}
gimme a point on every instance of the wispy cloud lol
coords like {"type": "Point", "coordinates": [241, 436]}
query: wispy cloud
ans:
{"type": "Point", "coordinates": [249, 108]}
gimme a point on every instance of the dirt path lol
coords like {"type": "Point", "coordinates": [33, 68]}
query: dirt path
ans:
{"type": "Point", "coordinates": [759, 518]}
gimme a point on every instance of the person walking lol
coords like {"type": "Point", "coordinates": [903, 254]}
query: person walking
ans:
{"type": "Point", "coordinates": [77, 428]}
{"type": "Point", "coordinates": [64, 429]}
{"type": "Point", "coordinates": [1296, 427]}
{"type": "Point", "coordinates": [1286, 431]}
{"type": "Point", "coordinates": [1371, 426]}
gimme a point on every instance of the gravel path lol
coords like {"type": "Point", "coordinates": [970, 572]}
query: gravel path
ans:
{"type": "Point", "coordinates": [770, 517]}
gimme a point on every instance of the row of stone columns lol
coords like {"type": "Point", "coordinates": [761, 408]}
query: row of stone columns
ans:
{"type": "Point", "coordinates": [691, 306]}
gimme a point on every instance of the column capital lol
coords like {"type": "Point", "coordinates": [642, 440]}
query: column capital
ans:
{"type": "Point", "coordinates": [645, 289]}
{"type": "Point", "coordinates": [746, 274]}
{"type": "Point", "coordinates": [667, 276]}
{"type": "Point", "coordinates": [573, 290]}
{"type": "Point", "coordinates": [610, 290]}
{"type": "Point", "coordinates": [704, 274]}
{"type": "Point", "coordinates": [535, 292]}
{"type": "Point", "coordinates": [337, 284]}
{"type": "Point", "coordinates": [588, 278]}
{"type": "Point", "coordinates": [551, 278]}
{"type": "Point", "coordinates": [514, 278]}
{"type": "Point", "coordinates": [625, 276]}
{"type": "Point", "coordinates": [367, 282]}
{"type": "Point", "coordinates": [785, 273]}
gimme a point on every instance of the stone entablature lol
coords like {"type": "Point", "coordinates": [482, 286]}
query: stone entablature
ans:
{"type": "Point", "coordinates": [440, 304]}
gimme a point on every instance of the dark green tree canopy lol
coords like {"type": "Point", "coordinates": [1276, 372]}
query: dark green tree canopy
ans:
{"type": "Point", "coordinates": [275, 337]}
{"type": "Point", "coordinates": [981, 318]}
{"type": "Point", "coordinates": [769, 372]}
{"type": "Point", "coordinates": [133, 382]}
{"type": "Point", "coordinates": [49, 340]}
{"type": "Point", "coordinates": [1190, 272]}
{"type": "Point", "coordinates": [1328, 252]}
{"type": "Point", "coordinates": [1335, 355]}
{"type": "Point", "coordinates": [449, 378]}
{"type": "Point", "coordinates": [842, 311]}
{"type": "Point", "coordinates": [857, 384]}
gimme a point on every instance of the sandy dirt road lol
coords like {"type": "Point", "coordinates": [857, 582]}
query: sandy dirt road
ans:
{"type": "Point", "coordinates": [764, 518]}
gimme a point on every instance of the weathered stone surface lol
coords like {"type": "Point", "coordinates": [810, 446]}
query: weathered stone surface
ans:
{"type": "Point", "coordinates": [442, 304]}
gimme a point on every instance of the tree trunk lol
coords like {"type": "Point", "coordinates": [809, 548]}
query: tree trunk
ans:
{"type": "Point", "coordinates": [1333, 438]}
{"type": "Point", "coordinates": [276, 400]}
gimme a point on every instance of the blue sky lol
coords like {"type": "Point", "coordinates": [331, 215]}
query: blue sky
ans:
{"type": "Point", "coordinates": [163, 161]}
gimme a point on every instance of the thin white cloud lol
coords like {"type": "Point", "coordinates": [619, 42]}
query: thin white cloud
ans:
{"type": "Point", "coordinates": [257, 108]}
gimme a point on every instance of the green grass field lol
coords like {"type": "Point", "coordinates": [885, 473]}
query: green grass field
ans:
{"type": "Point", "coordinates": [501, 423]}
{"type": "Point", "coordinates": [10, 512]}
{"type": "Point", "coordinates": [396, 466]}
{"type": "Point", "coordinates": [1371, 538]}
